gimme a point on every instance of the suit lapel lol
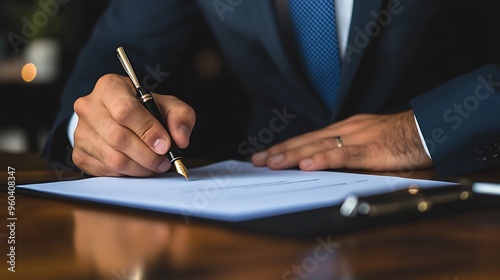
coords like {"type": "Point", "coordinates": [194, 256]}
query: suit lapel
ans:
{"type": "Point", "coordinates": [265, 23]}
{"type": "Point", "coordinates": [356, 48]}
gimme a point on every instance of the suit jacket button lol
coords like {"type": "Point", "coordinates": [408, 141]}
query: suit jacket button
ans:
{"type": "Point", "coordinates": [480, 155]}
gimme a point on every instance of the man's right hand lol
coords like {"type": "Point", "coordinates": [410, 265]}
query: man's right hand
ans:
{"type": "Point", "coordinates": [117, 136]}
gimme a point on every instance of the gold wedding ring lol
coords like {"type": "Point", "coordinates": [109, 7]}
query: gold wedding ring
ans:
{"type": "Point", "coordinates": [340, 144]}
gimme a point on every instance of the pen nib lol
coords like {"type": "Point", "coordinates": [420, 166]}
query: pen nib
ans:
{"type": "Point", "coordinates": [181, 169]}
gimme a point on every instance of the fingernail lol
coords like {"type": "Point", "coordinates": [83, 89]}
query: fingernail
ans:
{"type": "Point", "coordinates": [160, 146]}
{"type": "Point", "coordinates": [260, 157]}
{"type": "Point", "coordinates": [277, 159]}
{"type": "Point", "coordinates": [306, 162]}
{"type": "Point", "coordinates": [184, 131]}
{"type": "Point", "coordinates": [164, 166]}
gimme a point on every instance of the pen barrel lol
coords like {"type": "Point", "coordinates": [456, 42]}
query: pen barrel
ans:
{"type": "Point", "coordinates": [146, 98]}
{"type": "Point", "coordinates": [408, 200]}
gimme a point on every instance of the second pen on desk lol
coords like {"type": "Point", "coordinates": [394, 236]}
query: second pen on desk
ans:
{"type": "Point", "coordinates": [146, 98]}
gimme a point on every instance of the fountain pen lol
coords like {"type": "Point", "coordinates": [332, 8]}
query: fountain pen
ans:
{"type": "Point", "coordinates": [146, 98]}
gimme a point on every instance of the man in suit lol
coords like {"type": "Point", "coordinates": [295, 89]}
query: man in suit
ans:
{"type": "Point", "coordinates": [418, 86]}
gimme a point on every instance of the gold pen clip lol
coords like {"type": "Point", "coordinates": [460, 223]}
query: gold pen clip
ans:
{"type": "Point", "coordinates": [122, 56]}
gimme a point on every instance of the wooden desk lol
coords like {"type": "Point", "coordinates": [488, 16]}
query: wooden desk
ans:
{"type": "Point", "coordinates": [56, 239]}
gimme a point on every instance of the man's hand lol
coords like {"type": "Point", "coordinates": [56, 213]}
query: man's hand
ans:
{"type": "Point", "coordinates": [369, 142]}
{"type": "Point", "coordinates": [117, 136]}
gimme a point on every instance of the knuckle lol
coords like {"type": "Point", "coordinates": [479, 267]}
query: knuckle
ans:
{"type": "Point", "coordinates": [78, 158]}
{"type": "Point", "coordinates": [117, 138]}
{"type": "Point", "coordinates": [121, 110]}
{"type": "Point", "coordinates": [83, 161]}
{"type": "Point", "coordinates": [356, 120]}
{"type": "Point", "coordinates": [291, 155]}
{"type": "Point", "coordinates": [332, 156]}
{"type": "Point", "coordinates": [274, 150]}
{"type": "Point", "coordinates": [80, 105]}
{"type": "Point", "coordinates": [108, 79]}
{"type": "Point", "coordinates": [116, 161]}
{"type": "Point", "coordinates": [172, 104]}
{"type": "Point", "coordinates": [188, 112]}
{"type": "Point", "coordinates": [112, 83]}
{"type": "Point", "coordinates": [147, 129]}
{"type": "Point", "coordinates": [185, 114]}
{"type": "Point", "coordinates": [327, 144]}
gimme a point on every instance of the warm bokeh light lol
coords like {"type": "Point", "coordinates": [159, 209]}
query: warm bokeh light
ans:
{"type": "Point", "coordinates": [28, 72]}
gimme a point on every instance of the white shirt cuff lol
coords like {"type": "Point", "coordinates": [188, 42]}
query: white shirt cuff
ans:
{"type": "Point", "coordinates": [71, 128]}
{"type": "Point", "coordinates": [422, 138]}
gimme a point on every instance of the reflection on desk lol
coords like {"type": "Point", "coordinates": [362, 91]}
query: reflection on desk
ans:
{"type": "Point", "coordinates": [58, 239]}
{"type": "Point", "coordinates": [141, 248]}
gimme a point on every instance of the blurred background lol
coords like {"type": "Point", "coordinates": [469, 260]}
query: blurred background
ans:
{"type": "Point", "coordinates": [39, 44]}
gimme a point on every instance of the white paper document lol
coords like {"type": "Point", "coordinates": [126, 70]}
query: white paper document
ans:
{"type": "Point", "coordinates": [230, 190]}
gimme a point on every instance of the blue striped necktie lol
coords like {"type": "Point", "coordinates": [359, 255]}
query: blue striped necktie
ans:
{"type": "Point", "coordinates": [316, 31]}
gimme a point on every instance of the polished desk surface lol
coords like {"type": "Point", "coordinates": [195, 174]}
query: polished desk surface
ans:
{"type": "Point", "coordinates": [58, 239]}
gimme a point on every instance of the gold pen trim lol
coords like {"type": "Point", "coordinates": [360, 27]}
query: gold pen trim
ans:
{"type": "Point", "coordinates": [146, 97]}
{"type": "Point", "coordinates": [127, 66]}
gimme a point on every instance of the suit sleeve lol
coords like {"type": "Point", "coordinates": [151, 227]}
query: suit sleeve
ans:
{"type": "Point", "coordinates": [153, 32]}
{"type": "Point", "coordinates": [460, 121]}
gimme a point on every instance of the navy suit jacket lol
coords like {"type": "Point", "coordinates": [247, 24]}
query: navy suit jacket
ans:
{"type": "Point", "coordinates": [436, 57]}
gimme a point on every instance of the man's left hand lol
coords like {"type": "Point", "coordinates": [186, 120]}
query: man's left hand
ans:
{"type": "Point", "coordinates": [366, 142]}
